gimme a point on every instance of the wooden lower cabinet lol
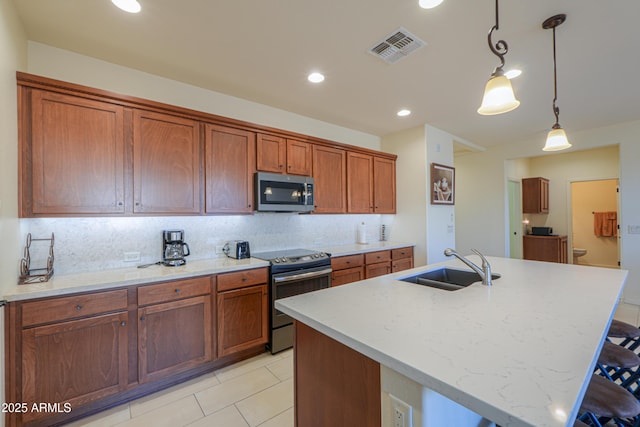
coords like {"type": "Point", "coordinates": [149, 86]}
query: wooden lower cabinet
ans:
{"type": "Point", "coordinates": [243, 310]}
{"type": "Point", "coordinates": [242, 319]}
{"type": "Point", "coordinates": [545, 248]}
{"type": "Point", "coordinates": [353, 268]}
{"type": "Point", "coordinates": [173, 337]}
{"type": "Point", "coordinates": [89, 351]}
{"type": "Point", "coordinates": [334, 384]}
{"type": "Point", "coordinates": [74, 362]}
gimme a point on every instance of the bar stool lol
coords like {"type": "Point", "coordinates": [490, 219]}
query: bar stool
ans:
{"type": "Point", "coordinates": [619, 329]}
{"type": "Point", "coordinates": [605, 399]}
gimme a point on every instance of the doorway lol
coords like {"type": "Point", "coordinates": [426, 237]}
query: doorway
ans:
{"type": "Point", "coordinates": [514, 189]}
{"type": "Point", "coordinates": [594, 223]}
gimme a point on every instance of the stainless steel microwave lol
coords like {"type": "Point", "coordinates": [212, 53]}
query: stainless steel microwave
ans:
{"type": "Point", "coordinates": [283, 193]}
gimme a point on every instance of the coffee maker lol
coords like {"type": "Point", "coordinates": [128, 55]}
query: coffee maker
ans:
{"type": "Point", "coordinates": [174, 249]}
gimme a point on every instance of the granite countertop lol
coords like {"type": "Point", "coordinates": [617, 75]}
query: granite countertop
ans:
{"type": "Point", "coordinates": [519, 353]}
{"type": "Point", "coordinates": [106, 279]}
{"type": "Point", "coordinates": [114, 278]}
{"type": "Point", "coordinates": [343, 250]}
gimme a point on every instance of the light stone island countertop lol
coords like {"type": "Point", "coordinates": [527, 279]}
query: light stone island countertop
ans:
{"type": "Point", "coordinates": [519, 353]}
{"type": "Point", "coordinates": [106, 279]}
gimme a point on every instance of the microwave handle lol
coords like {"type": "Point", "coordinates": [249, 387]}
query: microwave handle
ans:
{"type": "Point", "coordinates": [306, 193]}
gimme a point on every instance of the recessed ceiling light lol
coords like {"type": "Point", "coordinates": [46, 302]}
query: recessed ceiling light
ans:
{"type": "Point", "coordinates": [512, 74]}
{"type": "Point", "coordinates": [315, 78]}
{"type": "Point", "coordinates": [131, 6]}
{"type": "Point", "coordinates": [403, 113]}
{"type": "Point", "coordinates": [429, 4]}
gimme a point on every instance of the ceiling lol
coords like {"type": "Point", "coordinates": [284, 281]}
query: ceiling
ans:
{"type": "Point", "coordinates": [263, 50]}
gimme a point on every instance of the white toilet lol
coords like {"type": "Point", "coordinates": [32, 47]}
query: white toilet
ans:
{"type": "Point", "coordinates": [577, 253]}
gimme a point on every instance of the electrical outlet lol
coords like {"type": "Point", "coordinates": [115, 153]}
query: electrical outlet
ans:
{"type": "Point", "coordinates": [401, 412]}
{"type": "Point", "coordinates": [633, 229]}
{"type": "Point", "coordinates": [132, 257]}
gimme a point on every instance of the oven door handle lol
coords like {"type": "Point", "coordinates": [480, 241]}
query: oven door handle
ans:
{"type": "Point", "coordinates": [302, 276]}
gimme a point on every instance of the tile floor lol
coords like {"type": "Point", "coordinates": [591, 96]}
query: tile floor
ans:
{"type": "Point", "coordinates": [254, 392]}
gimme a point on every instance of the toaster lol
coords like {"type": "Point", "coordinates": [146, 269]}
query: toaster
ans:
{"type": "Point", "coordinates": [238, 249]}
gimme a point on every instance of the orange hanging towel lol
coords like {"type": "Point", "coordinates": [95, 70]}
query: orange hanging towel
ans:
{"type": "Point", "coordinates": [605, 224]}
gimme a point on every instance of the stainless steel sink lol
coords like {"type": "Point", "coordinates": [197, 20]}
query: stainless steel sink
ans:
{"type": "Point", "coordinates": [450, 279]}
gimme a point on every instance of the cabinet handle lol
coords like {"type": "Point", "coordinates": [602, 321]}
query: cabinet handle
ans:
{"type": "Point", "coordinates": [280, 166]}
{"type": "Point", "coordinates": [142, 318]}
{"type": "Point", "coordinates": [78, 307]}
{"type": "Point", "coordinates": [348, 262]}
{"type": "Point", "coordinates": [123, 324]}
{"type": "Point", "coordinates": [177, 291]}
{"type": "Point", "coordinates": [244, 279]}
{"type": "Point", "coordinates": [120, 203]}
{"type": "Point", "coordinates": [137, 203]}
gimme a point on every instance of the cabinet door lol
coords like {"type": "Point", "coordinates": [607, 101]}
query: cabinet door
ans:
{"type": "Point", "coordinates": [173, 337]}
{"type": "Point", "coordinates": [535, 195]}
{"type": "Point", "coordinates": [76, 156]}
{"type": "Point", "coordinates": [359, 183]}
{"type": "Point", "coordinates": [242, 319]}
{"type": "Point", "coordinates": [348, 275]}
{"type": "Point", "coordinates": [330, 179]}
{"type": "Point", "coordinates": [298, 157]}
{"type": "Point", "coordinates": [401, 264]}
{"type": "Point", "coordinates": [271, 153]}
{"type": "Point", "coordinates": [230, 156]}
{"type": "Point", "coordinates": [377, 269]}
{"type": "Point", "coordinates": [166, 163]}
{"type": "Point", "coordinates": [77, 362]}
{"type": "Point", "coordinates": [384, 186]}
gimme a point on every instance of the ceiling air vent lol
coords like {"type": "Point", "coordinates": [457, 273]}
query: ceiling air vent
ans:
{"type": "Point", "coordinates": [396, 46]}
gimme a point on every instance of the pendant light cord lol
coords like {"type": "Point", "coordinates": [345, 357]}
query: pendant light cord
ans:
{"type": "Point", "coordinates": [556, 110]}
{"type": "Point", "coordinates": [501, 48]}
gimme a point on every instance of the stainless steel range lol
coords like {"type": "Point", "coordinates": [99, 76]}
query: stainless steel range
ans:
{"type": "Point", "coordinates": [293, 272]}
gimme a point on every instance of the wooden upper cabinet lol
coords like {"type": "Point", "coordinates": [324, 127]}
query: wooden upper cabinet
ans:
{"type": "Point", "coordinates": [281, 155]}
{"type": "Point", "coordinates": [298, 157]}
{"type": "Point", "coordinates": [359, 183]}
{"type": "Point", "coordinates": [166, 164]}
{"type": "Point", "coordinates": [229, 168]}
{"type": "Point", "coordinates": [535, 195]}
{"type": "Point", "coordinates": [73, 162]}
{"type": "Point", "coordinates": [384, 185]}
{"type": "Point", "coordinates": [271, 153]}
{"type": "Point", "coordinates": [330, 179]}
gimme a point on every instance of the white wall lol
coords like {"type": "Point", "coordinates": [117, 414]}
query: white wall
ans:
{"type": "Point", "coordinates": [68, 66]}
{"type": "Point", "coordinates": [410, 225]}
{"type": "Point", "coordinates": [430, 227]}
{"type": "Point", "coordinates": [13, 51]}
{"type": "Point", "coordinates": [440, 218]}
{"type": "Point", "coordinates": [481, 198]}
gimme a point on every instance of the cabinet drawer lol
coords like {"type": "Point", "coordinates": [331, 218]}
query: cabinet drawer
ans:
{"type": "Point", "coordinates": [59, 309]}
{"type": "Point", "coordinates": [402, 253]}
{"type": "Point", "coordinates": [347, 275]}
{"type": "Point", "coordinates": [242, 279]}
{"type": "Point", "coordinates": [380, 256]}
{"type": "Point", "coordinates": [377, 269]}
{"type": "Point", "coordinates": [350, 261]}
{"type": "Point", "coordinates": [178, 289]}
{"type": "Point", "coordinates": [401, 264]}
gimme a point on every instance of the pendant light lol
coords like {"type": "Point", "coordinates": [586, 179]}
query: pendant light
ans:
{"type": "Point", "coordinates": [498, 93]}
{"type": "Point", "coordinates": [557, 137]}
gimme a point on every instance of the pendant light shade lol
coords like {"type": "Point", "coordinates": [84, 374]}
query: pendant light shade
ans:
{"type": "Point", "coordinates": [557, 137]}
{"type": "Point", "coordinates": [498, 94]}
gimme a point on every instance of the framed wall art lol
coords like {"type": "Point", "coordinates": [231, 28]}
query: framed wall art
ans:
{"type": "Point", "coordinates": [442, 184]}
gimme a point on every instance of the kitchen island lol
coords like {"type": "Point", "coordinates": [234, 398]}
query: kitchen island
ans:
{"type": "Point", "coordinates": [518, 353]}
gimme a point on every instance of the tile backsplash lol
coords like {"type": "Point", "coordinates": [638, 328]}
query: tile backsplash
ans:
{"type": "Point", "coordinates": [94, 244]}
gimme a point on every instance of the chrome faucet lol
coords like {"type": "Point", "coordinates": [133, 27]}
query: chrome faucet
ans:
{"type": "Point", "coordinates": [484, 272]}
